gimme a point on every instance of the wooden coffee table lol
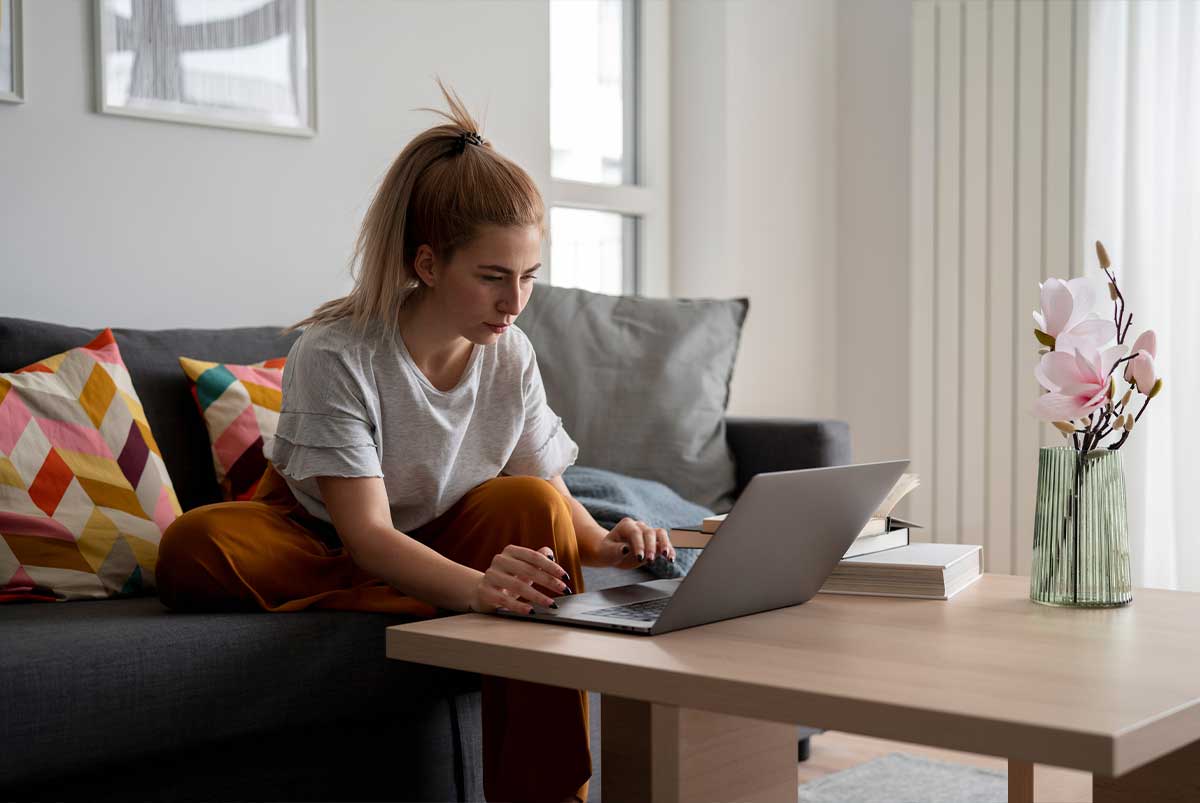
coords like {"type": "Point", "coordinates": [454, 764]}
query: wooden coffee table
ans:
{"type": "Point", "coordinates": [709, 713]}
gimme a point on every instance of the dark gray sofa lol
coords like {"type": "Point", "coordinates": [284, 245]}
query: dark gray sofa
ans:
{"type": "Point", "coordinates": [125, 700]}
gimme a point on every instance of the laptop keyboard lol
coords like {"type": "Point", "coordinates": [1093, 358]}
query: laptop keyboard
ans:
{"type": "Point", "coordinates": [646, 611]}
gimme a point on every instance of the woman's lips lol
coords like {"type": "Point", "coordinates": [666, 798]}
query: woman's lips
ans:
{"type": "Point", "coordinates": [497, 329]}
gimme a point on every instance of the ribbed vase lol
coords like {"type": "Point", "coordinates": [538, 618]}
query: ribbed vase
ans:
{"type": "Point", "coordinates": [1081, 530]}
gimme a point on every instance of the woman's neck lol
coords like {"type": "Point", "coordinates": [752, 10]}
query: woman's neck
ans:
{"type": "Point", "coordinates": [435, 350]}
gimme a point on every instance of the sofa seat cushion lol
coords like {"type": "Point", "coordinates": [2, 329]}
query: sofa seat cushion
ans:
{"type": "Point", "coordinates": [99, 681]}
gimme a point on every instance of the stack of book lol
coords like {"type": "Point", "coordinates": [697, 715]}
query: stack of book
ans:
{"type": "Point", "coordinates": [882, 531]}
{"type": "Point", "coordinates": [925, 571]}
{"type": "Point", "coordinates": [882, 561]}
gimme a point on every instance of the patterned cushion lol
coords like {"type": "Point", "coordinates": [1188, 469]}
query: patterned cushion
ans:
{"type": "Point", "coordinates": [240, 405]}
{"type": "Point", "coordinates": [84, 493]}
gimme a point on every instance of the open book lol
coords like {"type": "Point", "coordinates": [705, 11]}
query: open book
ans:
{"type": "Point", "coordinates": [878, 521]}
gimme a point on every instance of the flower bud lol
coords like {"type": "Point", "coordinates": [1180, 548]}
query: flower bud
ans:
{"type": "Point", "coordinates": [1066, 428]}
{"type": "Point", "coordinates": [1102, 255]}
{"type": "Point", "coordinates": [1112, 291]}
{"type": "Point", "coordinates": [1112, 389]}
{"type": "Point", "coordinates": [1154, 390]}
{"type": "Point", "coordinates": [1125, 398]}
{"type": "Point", "coordinates": [1119, 423]}
{"type": "Point", "coordinates": [1129, 422]}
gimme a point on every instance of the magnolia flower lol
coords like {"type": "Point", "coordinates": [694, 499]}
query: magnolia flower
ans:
{"type": "Point", "coordinates": [1078, 382]}
{"type": "Point", "coordinates": [1068, 315]}
{"type": "Point", "coordinates": [1140, 370]}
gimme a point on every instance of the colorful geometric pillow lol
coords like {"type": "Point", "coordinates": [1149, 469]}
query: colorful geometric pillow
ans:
{"type": "Point", "coordinates": [240, 405]}
{"type": "Point", "coordinates": [84, 494]}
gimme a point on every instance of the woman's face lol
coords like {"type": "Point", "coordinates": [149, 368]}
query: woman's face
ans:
{"type": "Point", "coordinates": [487, 283]}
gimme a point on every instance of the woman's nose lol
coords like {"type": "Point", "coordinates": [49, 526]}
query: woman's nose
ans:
{"type": "Point", "coordinates": [511, 300]}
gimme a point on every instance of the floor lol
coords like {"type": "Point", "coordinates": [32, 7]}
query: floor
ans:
{"type": "Point", "coordinates": [833, 751]}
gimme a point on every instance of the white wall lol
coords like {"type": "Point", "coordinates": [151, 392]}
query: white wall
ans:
{"type": "Point", "coordinates": [753, 183]}
{"type": "Point", "coordinates": [107, 220]}
{"type": "Point", "coordinates": [789, 164]}
{"type": "Point", "coordinates": [874, 51]}
{"type": "Point", "coordinates": [791, 186]}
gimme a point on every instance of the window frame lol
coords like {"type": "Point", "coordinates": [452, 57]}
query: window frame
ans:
{"type": "Point", "coordinates": [647, 235]}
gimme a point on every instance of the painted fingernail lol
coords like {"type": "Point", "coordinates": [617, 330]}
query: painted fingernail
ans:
{"type": "Point", "coordinates": [641, 556]}
{"type": "Point", "coordinates": [624, 550]}
{"type": "Point", "coordinates": [532, 612]}
{"type": "Point", "coordinates": [567, 590]}
{"type": "Point", "coordinates": [554, 605]}
{"type": "Point", "coordinates": [566, 577]}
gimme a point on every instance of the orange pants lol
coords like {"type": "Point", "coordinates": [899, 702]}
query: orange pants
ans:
{"type": "Point", "coordinates": [271, 554]}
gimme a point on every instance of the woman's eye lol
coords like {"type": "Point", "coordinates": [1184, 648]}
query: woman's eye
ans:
{"type": "Point", "coordinates": [491, 278]}
{"type": "Point", "coordinates": [530, 277]}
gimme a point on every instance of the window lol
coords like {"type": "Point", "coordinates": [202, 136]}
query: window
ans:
{"type": "Point", "coordinates": [608, 217]}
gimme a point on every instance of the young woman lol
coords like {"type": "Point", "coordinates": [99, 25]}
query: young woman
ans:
{"type": "Point", "coordinates": [416, 464]}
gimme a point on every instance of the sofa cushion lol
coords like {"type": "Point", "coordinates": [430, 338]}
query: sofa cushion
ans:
{"type": "Point", "coordinates": [152, 358]}
{"type": "Point", "coordinates": [84, 494]}
{"type": "Point", "coordinates": [240, 407]}
{"type": "Point", "coordinates": [610, 497]}
{"type": "Point", "coordinates": [642, 383]}
{"type": "Point", "coordinates": [101, 681]}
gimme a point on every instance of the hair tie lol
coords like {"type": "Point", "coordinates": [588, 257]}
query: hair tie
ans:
{"type": "Point", "coordinates": [465, 137]}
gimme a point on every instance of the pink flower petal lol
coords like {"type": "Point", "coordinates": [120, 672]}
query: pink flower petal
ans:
{"type": "Point", "coordinates": [1109, 357]}
{"type": "Point", "coordinates": [1056, 407]}
{"type": "Point", "coordinates": [1087, 335]}
{"type": "Point", "coordinates": [1143, 372]}
{"type": "Point", "coordinates": [1056, 306]}
{"type": "Point", "coordinates": [1147, 341]}
{"type": "Point", "coordinates": [1060, 368]}
{"type": "Point", "coordinates": [1084, 293]}
{"type": "Point", "coordinates": [1088, 366]}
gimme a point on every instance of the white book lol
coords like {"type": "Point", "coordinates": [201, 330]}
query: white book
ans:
{"type": "Point", "coordinates": [927, 571]}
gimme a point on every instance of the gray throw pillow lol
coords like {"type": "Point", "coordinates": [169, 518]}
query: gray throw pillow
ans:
{"type": "Point", "coordinates": [642, 383]}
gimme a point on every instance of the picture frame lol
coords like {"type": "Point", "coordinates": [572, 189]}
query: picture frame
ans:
{"type": "Point", "coordinates": [248, 64]}
{"type": "Point", "coordinates": [12, 61]}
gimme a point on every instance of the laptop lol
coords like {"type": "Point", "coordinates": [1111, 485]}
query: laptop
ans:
{"type": "Point", "coordinates": [782, 539]}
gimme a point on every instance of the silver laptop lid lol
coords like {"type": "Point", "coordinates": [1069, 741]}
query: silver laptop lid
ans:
{"type": "Point", "coordinates": [780, 542]}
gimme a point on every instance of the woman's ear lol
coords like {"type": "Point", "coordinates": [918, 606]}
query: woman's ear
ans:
{"type": "Point", "coordinates": [424, 265]}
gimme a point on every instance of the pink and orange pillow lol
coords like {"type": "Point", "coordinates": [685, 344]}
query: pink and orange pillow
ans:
{"type": "Point", "coordinates": [240, 406]}
{"type": "Point", "coordinates": [84, 493]}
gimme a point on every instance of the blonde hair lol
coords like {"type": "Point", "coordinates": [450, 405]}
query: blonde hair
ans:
{"type": "Point", "coordinates": [439, 191]}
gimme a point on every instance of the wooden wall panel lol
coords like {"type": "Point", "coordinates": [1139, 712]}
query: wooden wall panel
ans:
{"type": "Point", "coordinates": [996, 203]}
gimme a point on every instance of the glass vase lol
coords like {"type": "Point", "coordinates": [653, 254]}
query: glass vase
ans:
{"type": "Point", "coordinates": [1081, 530]}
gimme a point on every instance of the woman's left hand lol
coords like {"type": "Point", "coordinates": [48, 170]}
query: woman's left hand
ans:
{"type": "Point", "coordinates": [634, 543]}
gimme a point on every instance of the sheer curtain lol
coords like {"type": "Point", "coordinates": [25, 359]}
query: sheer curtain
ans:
{"type": "Point", "coordinates": [1143, 200]}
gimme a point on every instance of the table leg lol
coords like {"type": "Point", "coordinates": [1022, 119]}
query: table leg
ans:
{"type": "Point", "coordinates": [1174, 778]}
{"type": "Point", "coordinates": [1020, 781]}
{"type": "Point", "coordinates": [665, 754]}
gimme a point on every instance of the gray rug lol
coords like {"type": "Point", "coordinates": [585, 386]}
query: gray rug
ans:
{"type": "Point", "coordinates": [901, 778]}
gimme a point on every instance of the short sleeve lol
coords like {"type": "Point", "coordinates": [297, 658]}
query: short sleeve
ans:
{"type": "Point", "coordinates": [544, 449]}
{"type": "Point", "coordinates": [325, 424]}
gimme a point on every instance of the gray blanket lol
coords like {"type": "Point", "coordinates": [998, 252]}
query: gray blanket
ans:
{"type": "Point", "coordinates": [610, 497]}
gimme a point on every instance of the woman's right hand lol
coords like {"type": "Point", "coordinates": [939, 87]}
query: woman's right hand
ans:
{"type": "Point", "coordinates": [509, 582]}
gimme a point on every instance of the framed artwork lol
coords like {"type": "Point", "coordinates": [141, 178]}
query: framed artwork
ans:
{"type": "Point", "coordinates": [230, 63]}
{"type": "Point", "coordinates": [12, 80]}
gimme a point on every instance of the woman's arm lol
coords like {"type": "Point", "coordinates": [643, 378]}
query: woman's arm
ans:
{"type": "Point", "coordinates": [628, 545]}
{"type": "Point", "coordinates": [360, 513]}
{"type": "Point", "coordinates": [362, 518]}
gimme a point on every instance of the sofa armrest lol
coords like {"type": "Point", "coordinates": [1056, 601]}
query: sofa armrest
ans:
{"type": "Point", "coordinates": [782, 444]}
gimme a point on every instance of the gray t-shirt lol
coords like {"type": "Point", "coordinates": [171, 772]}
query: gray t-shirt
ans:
{"type": "Point", "coordinates": [360, 407]}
